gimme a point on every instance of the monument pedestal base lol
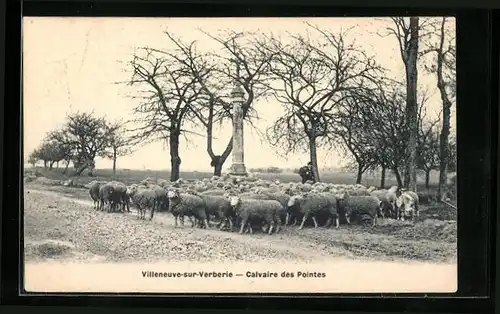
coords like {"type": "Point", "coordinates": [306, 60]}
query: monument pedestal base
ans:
{"type": "Point", "coordinates": [238, 169]}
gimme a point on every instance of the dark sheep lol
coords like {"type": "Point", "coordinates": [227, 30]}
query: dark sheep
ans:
{"type": "Point", "coordinates": [183, 204]}
{"type": "Point", "coordinates": [313, 205]}
{"type": "Point", "coordinates": [94, 193]}
{"type": "Point", "coordinates": [144, 199]}
{"type": "Point", "coordinates": [161, 200]}
{"type": "Point", "coordinates": [121, 197]}
{"type": "Point", "coordinates": [218, 207]}
{"type": "Point", "coordinates": [260, 210]}
{"type": "Point", "coordinates": [109, 195]}
{"type": "Point", "coordinates": [359, 209]}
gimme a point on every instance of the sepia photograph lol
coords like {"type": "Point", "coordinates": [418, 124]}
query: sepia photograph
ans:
{"type": "Point", "coordinates": [239, 155]}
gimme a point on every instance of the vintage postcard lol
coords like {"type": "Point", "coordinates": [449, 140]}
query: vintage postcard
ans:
{"type": "Point", "coordinates": [244, 155]}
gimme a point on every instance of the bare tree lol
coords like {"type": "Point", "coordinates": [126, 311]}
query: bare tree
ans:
{"type": "Point", "coordinates": [244, 60]}
{"type": "Point", "coordinates": [351, 127]}
{"type": "Point", "coordinates": [34, 157]}
{"type": "Point", "coordinates": [406, 31]}
{"type": "Point", "coordinates": [442, 48]}
{"type": "Point", "coordinates": [386, 125]}
{"type": "Point", "coordinates": [214, 76]}
{"type": "Point", "coordinates": [428, 148]}
{"type": "Point", "coordinates": [67, 148]}
{"type": "Point", "coordinates": [166, 98]}
{"type": "Point", "coordinates": [311, 81]}
{"type": "Point", "coordinates": [118, 143]}
{"type": "Point", "coordinates": [86, 135]}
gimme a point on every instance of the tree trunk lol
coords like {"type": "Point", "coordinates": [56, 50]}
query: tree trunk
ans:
{"type": "Point", "coordinates": [66, 167]}
{"type": "Point", "coordinates": [218, 169]}
{"type": "Point", "coordinates": [314, 157]}
{"type": "Point", "coordinates": [411, 104]}
{"type": "Point", "coordinates": [427, 178]}
{"type": "Point", "coordinates": [398, 177]}
{"type": "Point", "coordinates": [45, 164]}
{"type": "Point", "coordinates": [80, 170]}
{"type": "Point", "coordinates": [445, 130]}
{"type": "Point", "coordinates": [114, 164]}
{"type": "Point", "coordinates": [57, 164]}
{"type": "Point", "coordinates": [382, 178]}
{"type": "Point", "coordinates": [359, 176]}
{"type": "Point", "coordinates": [175, 159]}
{"type": "Point", "coordinates": [51, 164]}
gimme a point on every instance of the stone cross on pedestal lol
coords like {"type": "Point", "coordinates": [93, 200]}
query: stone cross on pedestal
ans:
{"type": "Point", "coordinates": [238, 97]}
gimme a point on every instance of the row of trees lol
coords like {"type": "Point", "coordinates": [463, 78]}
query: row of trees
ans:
{"type": "Point", "coordinates": [332, 92]}
{"type": "Point", "coordinates": [333, 95]}
{"type": "Point", "coordinates": [80, 140]}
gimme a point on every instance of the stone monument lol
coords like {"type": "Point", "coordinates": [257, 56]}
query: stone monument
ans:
{"type": "Point", "coordinates": [238, 97]}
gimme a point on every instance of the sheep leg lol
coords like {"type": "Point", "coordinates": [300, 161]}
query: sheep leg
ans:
{"type": "Point", "coordinates": [243, 223]}
{"type": "Point", "coordinates": [271, 227]}
{"type": "Point", "coordinates": [206, 223]}
{"type": "Point", "coordinates": [230, 224]}
{"type": "Point", "coordinates": [221, 225]}
{"type": "Point", "coordinates": [287, 219]}
{"type": "Point", "coordinates": [348, 219]}
{"type": "Point", "coordinates": [374, 221]}
{"type": "Point", "coordinates": [151, 214]}
{"type": "Point", "coordinates": [192, 221]}
{"type": "Point", "coordinates": [337, 223]}
{"type": "Point", "coordinates": [277, 225]}
{"type": "Point", "coordinates": [328, 223]}
{"type": "Point", "coordinates": [175, 216]}
{"type": "Point", "coordinates": [303, 221]}
{"type": "Point", "coordinates": [315, 222]}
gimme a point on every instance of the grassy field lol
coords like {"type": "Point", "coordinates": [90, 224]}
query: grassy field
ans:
{"type": "Point", "coordinates": [61, 224]}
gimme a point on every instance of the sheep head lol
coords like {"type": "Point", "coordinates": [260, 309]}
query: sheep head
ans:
{"type": "Point", "coordinates": [234, 200]}
{"type": "Point", "coordinates": [293, 200]}
{"type": "Point", "coordinates": [173, 194]}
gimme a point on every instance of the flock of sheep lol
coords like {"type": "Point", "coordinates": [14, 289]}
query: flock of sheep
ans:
{"type": "Point", "coordinates": [251, 203]}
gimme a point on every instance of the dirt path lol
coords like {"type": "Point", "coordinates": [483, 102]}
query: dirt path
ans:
{"type": "Point", "coordinates": [307, 250]}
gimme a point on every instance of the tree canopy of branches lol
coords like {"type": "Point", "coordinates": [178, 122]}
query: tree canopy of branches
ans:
{"type": "Point", "coordinates": [374, 129]}
{"type": "Point", "coordinates": [118, 143]}
{"type": "Point", "coordinates": [352, 130]}
{"type": "Point", "coordinates": [166, 99]}
{"type": "Point", "coordinates": [86, 135]}
{"type": "Point", "coordinates": [384, 119]}
{"type": "Point", "coordinates": [312, 81]}
{"type": "Point", "coordinates": [240, 61]}
{"type": "Point", "coordinates": [50, 152]}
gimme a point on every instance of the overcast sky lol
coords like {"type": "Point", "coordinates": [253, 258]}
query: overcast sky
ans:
{"type": "Point", "coordinates": [71, 64]}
